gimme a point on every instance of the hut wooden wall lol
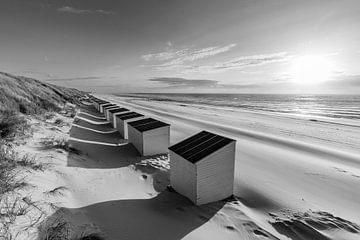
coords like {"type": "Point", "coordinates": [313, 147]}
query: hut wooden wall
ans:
{"type": "Point", "coordinates": [136, 139]}
{"type": "Point", "coordinates": [107, 112]}
{"type": "Point", "coordinates": [215, 175]}
{"type": "Point", "coordinates": [156, 141]}
{"type": "Point", "coordinates": [183, 176]}
{"type": "Point", "coordinates": [122, 125]}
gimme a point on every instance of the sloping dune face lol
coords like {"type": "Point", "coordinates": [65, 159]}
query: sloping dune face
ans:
{"type": "Point", "coordinates": [28, 95]}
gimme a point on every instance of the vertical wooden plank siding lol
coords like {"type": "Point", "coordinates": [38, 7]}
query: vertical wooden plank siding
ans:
{"type": "Point", "coordinates": [120, 126]}
{"type": "Point", "coordinates": [156, 141]}
{"type": "Point", "coordinates": [183, 176]}
{"type": "Point", "coordinates": [215, 175]}
{"type": "Point", "coordinates": [125, 125]}
{"type": "Point", "coordinates": [136, 138]}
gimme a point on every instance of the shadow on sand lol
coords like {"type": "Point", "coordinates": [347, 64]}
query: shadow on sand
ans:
{"type": "Point", "coordinates": [167, 216]}
{"type": "Point", "coordinates": [102, 145]}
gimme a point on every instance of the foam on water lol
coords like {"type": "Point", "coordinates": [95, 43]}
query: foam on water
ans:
{"type": "Point", "coordinates": [333, 106]}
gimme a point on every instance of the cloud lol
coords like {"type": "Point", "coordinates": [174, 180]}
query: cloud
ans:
{"type": "Point", "coordinates": [253, 60]}
{"type": "Point", "coordinates": [345, 81]}
{"type": "Point", "coordinates": [172, 82]}
{"type": "Point", "coordinates": [184, 82]}
{"type": "Point", "coordinates": [182, 60]}
{"type": "Point", "coordinates": [238, 63]}
{"type": "Point", "coordinates": [186, 54]}
{"type": "Point", "coordinates": [72, 79]}
{"type": "Point", "coordinates": [73, 10]}
{"type": "Point", "coordinates": [37, 74]}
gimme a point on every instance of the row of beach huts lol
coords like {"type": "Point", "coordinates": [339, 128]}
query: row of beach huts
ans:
{"type": "Point", "coordinates": [201, 166]}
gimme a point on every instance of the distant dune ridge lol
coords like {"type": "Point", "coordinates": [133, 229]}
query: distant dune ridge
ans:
{"type": "Point", "coordinates": [28, 95]}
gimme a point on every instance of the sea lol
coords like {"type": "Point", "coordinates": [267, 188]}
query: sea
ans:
{"type": "Point", "coordinates": [329, 106]}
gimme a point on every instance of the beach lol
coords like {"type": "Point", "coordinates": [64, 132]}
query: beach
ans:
{"type": "Point", "coordinates": [295, 178]}
{"type": "Point", "coordinates": [284, 164]}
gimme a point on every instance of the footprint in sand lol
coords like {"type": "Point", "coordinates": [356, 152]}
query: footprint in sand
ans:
{"type": "Point", "coordinates": [344, 171]}
{"type": "Point", "coordinates": [340, 170]}
{"type": "Point", "coordinates": [231, 228]}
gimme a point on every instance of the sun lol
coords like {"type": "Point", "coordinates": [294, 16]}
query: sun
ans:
{"type": "Point", "coordinates": [310, 69]}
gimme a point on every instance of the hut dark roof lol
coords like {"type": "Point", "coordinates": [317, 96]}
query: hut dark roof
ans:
{"type": "Point", "coordinates": [147, 124]}
{"type": "Point", "coordinates": [199, 146]}
{"type": "Point", "coordinates": [110, 106]}
{"type": "Point", "coordinates": [103, 102]}
{"type": "Point", "coordinates": [129, 115]}
{"type": "Point", "coordinates": [117, 110]}
{"type": "Point", "coordinates": [107, 104]}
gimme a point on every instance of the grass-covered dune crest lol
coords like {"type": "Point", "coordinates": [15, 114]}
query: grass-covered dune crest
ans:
{"type": "Point", "coordinates": [29, 96]}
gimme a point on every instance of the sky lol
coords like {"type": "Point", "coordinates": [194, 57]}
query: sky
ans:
{"type": "Point", "coordinates": [210, 46]}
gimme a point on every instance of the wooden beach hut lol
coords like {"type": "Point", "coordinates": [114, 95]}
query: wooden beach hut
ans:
{"type": "Point", "coordinates": [202, 167]}
{"type": "Point", "coordinates": [104, 109]}
{"type": "Point", "coordinates": [149, 136]}
{"type": "Point", "coordinates": [107, 112]}
{"type": "Point", "coordinates": [99, 103]}
{"type": "Point", "coordinates": [95, 102]}
{"type": "Point", "coordinates": [121, 122]}
{"type": "Point", "coordinates": [104, 105]}
{"type": "Point", "coordinates": [114, 112]}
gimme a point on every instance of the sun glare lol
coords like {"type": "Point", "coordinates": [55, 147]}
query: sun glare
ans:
{"type": "Point", "coordinates": [310, 69]}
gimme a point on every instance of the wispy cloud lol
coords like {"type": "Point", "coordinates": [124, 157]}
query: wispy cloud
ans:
{"type": "Point", "coordinates": [186, 54]}
{"type": "Point", "coordinates": [37, 74]}
{"type": "Point", "coordinates": [73, 10]}
{"type": "Point", "coordinates": [346, 80]}
{"type": "Point", "coordinates": [183, 60]}
{"type": "Point", "coordinates": [241, 62]}
{"type": "Point", "coordinates": [184, 82]}
{"type": "Point", "coordinates": [236, 63]}
{"type": "Point", "coordinates": [172, 82]}
{"type": "Point", "coordinates": [72, 79]}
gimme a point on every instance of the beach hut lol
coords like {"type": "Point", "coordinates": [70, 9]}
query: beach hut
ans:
{"type": "Point", "coordinates": [105, 108]}
{"type": "Point", "coordinates": [202, 167]}
{"type": "Point", "coordinates": [95, 102]}
{"type": "Point", "coordinates": [107, 112]}
{"type": "Point", "coordinates": [114, 112]}
{"type": "Point", "coordinates": [149, 136]}
{"type": "Point", "coordinates": [98, 104]}
{"type": "Point", "coordinates": [105, 103]}
{"type": "Point", "coordinates": [121, 122]}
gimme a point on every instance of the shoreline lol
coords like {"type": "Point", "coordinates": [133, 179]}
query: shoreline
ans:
{"type": "Point", "coordinates": [339, 120]}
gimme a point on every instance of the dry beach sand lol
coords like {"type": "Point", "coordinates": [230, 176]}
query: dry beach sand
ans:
{"type": "Point", "coordinates": [295, 178]}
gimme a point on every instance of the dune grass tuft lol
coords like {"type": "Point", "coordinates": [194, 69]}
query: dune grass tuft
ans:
{"type": "Point", "coordinates": [59, 143]}
{"type": "Point", "coordinates": [11, 124]}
